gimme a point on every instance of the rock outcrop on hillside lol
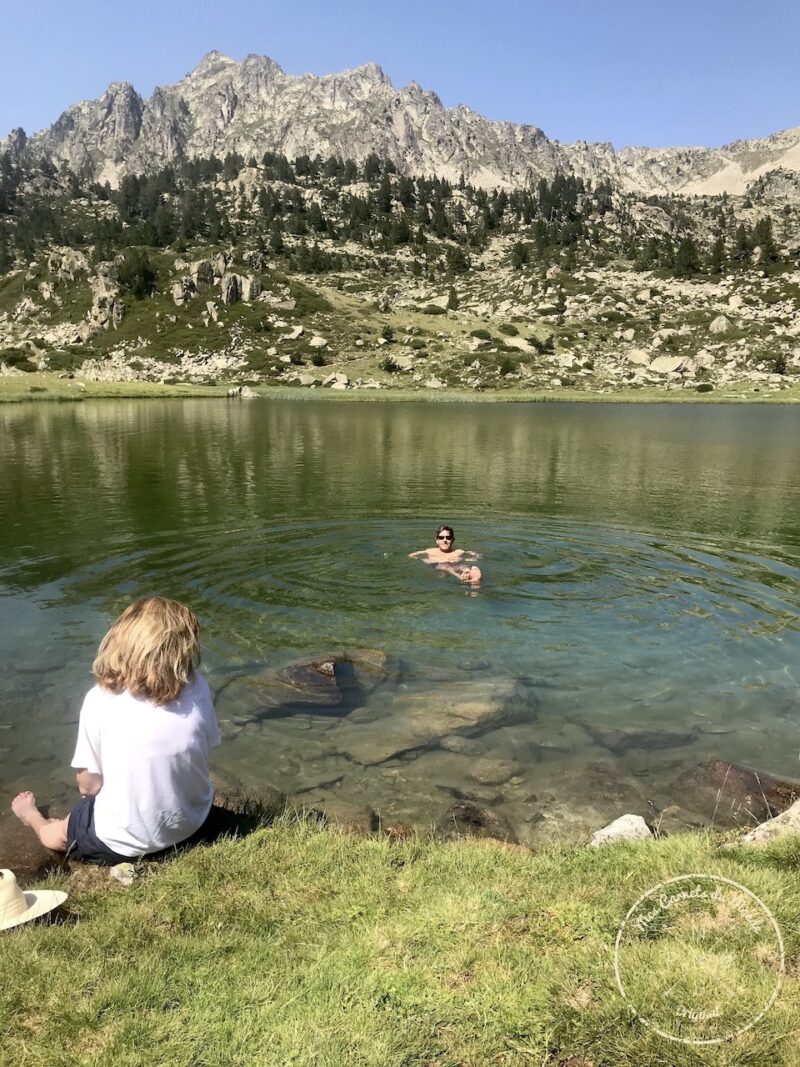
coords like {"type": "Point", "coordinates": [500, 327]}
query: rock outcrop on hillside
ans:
{"type": "Point", "coordinates": [254, 106]}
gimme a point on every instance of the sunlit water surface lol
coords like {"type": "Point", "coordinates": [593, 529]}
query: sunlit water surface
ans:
{"type": "Point", "coordinates": [642, 568]}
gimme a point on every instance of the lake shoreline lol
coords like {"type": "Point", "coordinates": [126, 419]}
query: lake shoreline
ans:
{"type": "Point", "coordinates": [43, 387]}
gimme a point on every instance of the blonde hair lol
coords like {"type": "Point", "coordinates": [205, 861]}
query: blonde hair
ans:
{"type": "Point", "coordinates": [152, 650]}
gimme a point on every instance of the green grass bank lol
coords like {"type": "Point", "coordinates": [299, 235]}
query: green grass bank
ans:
{"type": "Point", "coordinates": [306, 946]}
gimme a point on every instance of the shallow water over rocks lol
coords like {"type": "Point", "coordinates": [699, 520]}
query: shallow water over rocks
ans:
{"type": "Point", "coordinates": [638, 617]}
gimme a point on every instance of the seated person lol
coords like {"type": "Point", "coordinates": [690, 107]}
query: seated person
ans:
{"type": "Point", "coordinates": [145, 732]}
{"type": "Point", "coordinates": [444, 556]}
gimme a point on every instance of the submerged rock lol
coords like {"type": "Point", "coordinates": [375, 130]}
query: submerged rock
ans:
{"type": "Point", "coordinates": [489, 771]}
{"type": "Point", "coordinates": [731, 794]}
{"type": "Point", "coordinates": [479, 794]}
{"type": "Point", "coordinates": [421, 720]}
{"type": "Point", "coordinates": [333, 682]}
{"type": "Point", "coordinates": [467, 819]}
{"type": "Point", "coordinates": [358, 818]}
{"type": "Point", "coordinates": [620, 739]}
{"type": "Point", "coordinates": [460, 745]}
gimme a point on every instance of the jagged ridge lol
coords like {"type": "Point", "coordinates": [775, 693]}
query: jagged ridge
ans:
{"type": "Point", "coordinates": [254, 106]}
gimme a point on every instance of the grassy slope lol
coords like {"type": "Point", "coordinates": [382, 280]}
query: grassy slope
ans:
{"type": "Point", "coordinates": [305, 946]}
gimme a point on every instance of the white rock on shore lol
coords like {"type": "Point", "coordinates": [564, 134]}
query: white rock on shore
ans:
{"type": "Point", "coordinates": [625, 828]}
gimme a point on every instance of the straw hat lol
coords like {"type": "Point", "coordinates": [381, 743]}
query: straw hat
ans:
{"type": "Point", "coordinates": [17, 907]}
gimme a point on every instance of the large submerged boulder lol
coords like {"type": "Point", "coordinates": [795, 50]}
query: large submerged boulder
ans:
{"type": "Point", "coordinates": [422, 720]}
{"type": "Point", "coordinates": [733, 795]}
{"type": "Point", "coordinates": [331, 683]}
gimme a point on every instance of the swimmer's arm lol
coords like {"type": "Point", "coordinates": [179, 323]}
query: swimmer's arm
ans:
{"type": "Point", "coordinates": [472, 555]}
{"type": "Point", "coordinates": [89, 783]}
{"type": "Point", "coordinates": [418, 555]}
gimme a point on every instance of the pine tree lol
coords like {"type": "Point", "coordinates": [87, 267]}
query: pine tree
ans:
{"type": "Point", "coordinates": [384, 196]}
{"type": "Point", "coordinates": [742, 244]}
{"type": "Point", "coordinates": [716, 259]}
{"type": "Point", "coordinates": [276, 243]}
{"type": "Point", "coordinates": [687, 259]}
{"type": "Point", "coordinates": [763, 239]}
{"type": "Point", "coordinates": [452, 296]}
{"type": "Point", "coordinates": [137, 274]}
{"type": "Point", "coordinates": [519, 255]}
{"type": "Point", "coordinates": [372, 167]}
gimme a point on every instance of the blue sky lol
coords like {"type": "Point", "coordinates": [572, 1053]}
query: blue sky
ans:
{"type": "Point", "coordinates": [657, 72]}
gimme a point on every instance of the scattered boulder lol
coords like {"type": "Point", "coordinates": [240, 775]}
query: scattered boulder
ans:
{"type": "Point", "coordinates": [788, 822]}
{"type": "Point", "coordinates": [625, 828]}
{"type": "Point", "coordinates": [318, 342]}
{"type": "Point", "coordinates": [219, 264]}
{"type": "Point", "coordinates": [666, 364]}
{"type": "Point", "coordinates": [638, 356]}
{"type": "Point", "coordinates": [230, 289]}
{"type": "Point", "coordinates": [250, 288]}
{"type": "Point", "coordinates": [67, 263]}
{"type": "Point", "coordinates": [202, 274]}
{"type": "Point", "coordinates": [243, 392]}
{"type": "Point", "coordinates": [721, 324]}
{"type": "Point", "coordinates": [105, 312]}
{"type": "Point", "coordinates": [182, 290]}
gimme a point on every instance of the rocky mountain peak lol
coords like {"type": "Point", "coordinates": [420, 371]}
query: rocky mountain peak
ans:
{"type": "Point", "coordinates": [16, 141]}
{"type": "Point", "coordinates": [211, 62]}
{"type": "Point", "coordinates": [372, 72]}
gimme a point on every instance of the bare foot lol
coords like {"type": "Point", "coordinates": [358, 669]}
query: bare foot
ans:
{"type": "Point", "coordinates": [471, 575]}
{"type": "Point", "coordinates": [24, 807]}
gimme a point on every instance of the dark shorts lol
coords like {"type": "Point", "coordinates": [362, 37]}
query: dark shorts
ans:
{"type": "Point", "coordinates": [84, 844]}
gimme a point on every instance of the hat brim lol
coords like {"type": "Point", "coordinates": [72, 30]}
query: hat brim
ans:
{"type": "Point", "coordinates": [39, 903]}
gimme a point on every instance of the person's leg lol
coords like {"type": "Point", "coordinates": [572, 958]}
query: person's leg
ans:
{"type": "Point", "coordinates": [471, 574]}
{"type": "Point", "coordinates": [51, 832]}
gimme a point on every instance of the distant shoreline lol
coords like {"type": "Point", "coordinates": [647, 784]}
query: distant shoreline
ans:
{"type": "Point", "coordinates": [43, 387]}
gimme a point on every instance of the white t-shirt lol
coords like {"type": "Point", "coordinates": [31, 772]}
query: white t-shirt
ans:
{"type": "Point", "coordinates": [154, 762]}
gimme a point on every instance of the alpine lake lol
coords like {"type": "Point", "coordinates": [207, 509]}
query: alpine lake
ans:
{"type": "Point", "coordinates": [637, 626]}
